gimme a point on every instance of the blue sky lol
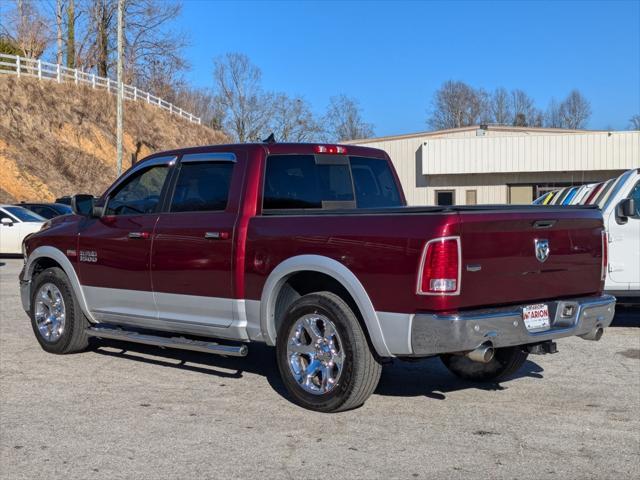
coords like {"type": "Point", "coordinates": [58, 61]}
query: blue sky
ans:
{"type": "Point", "coordinates": [392, 56]}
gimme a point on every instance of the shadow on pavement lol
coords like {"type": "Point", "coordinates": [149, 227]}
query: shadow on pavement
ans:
{"type": "Point", "coordinates": [426, 377]}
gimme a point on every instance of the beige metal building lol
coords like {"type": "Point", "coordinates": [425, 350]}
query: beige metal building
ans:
{"type": "Point", "coordinates": [500, 164]}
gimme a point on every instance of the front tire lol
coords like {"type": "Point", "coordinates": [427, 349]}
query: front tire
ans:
{"type": "Point", "coordinates": [323, 355]}
{"type": "Point", "coordinates": [505, 362]}
{"type": "Point", "coordinates": [57, 320]}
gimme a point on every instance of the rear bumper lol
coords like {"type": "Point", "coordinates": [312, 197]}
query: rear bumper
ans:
{"type": "Point", "coordinates": [503, 327]}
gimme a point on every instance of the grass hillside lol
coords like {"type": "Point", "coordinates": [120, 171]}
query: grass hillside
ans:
{"type": "Point", "coordinates": [60, 139]}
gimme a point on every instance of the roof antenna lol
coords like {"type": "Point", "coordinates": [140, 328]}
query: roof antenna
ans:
{"type": "Point", "coordinates": [270, 139]}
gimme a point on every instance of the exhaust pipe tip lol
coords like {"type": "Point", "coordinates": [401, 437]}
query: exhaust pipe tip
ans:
{"type": "Point", "coordinates": [482, 354]}
{"type": "Point", "coordinates": [595, 334]}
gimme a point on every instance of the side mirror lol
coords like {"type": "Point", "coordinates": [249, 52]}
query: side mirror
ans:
{"type": "Point", "coordinates": [82, 204]}
{"type": "Point", "coordinates": [625, 209]}
{"type": "Point", "coordinates": [6, 221]}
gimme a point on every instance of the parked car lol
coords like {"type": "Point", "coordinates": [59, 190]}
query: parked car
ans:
{"type": "Point", "coordinates": [65, 200]}
{"type": "Point", "coordinates": [48, 210]}
{"type": "Point", "coordinates": [15, 224]}
{"type": "Point", "coordinates": [621, 211]}
{"type": "Point", "coordinates": [312, 249]}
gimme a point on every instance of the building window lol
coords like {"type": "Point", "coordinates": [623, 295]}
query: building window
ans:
{"type": "Point", "coordinates": [445, 197]}
{"type": "Point", "coordinates": [471, 197]}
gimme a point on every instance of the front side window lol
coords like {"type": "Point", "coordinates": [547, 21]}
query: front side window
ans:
{"type": "Point", "coordinates": [635, 194]}
{"type": "Point", "coordinates": [202, 186]}
{"type": "Point", "coordinates": [140, 193]}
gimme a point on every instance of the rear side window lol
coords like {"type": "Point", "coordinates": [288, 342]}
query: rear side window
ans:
{"type": "Point", "coordinates": [306, 181]}
{"type": "Point", "coordinates": [296, 181]}
{"type": "Point", "coordinates": [202, 186]}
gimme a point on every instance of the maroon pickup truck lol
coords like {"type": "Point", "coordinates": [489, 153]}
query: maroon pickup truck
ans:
{"type": "Point", "coordinates": [312, 249]}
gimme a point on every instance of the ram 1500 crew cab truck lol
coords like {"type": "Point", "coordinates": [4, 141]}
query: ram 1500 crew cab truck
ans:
{"type": "Point", "coordinates": [312, 249]}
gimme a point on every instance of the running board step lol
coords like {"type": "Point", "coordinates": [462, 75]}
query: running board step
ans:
{"type": "Point", "coordinates": [168, 342]}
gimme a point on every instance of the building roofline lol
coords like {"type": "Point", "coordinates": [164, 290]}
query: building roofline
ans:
{"type": "Point", "coordinates": [499, 128]}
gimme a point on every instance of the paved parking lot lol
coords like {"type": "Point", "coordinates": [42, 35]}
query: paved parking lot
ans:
{"type": "Point", "coordinates": [125, 411]}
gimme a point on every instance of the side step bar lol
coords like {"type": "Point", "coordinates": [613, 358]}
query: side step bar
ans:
{"type": "Point", "coordinates": [168, 342]}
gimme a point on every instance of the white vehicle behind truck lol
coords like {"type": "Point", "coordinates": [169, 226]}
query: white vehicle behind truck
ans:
{"type": "Point", "coordinates": [621, 213]}
{"type": "Point", "coordinates": [619, 200]}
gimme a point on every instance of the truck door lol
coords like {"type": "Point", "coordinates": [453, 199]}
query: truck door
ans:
{"type": "Point", "coordinates": [624, 248]}
{"type": "Point", "coordinates": [193, 247]}
{"type": "Point", "coordinates": [113, 251]}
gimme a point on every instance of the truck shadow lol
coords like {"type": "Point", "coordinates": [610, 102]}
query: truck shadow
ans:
{"type": "Point", "coordinates": [430, 378]}
{"type": "Point", "coordinates": [427, 377]}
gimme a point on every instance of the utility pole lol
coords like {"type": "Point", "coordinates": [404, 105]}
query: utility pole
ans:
{"type": "Point", "coordinates": [120, 88]}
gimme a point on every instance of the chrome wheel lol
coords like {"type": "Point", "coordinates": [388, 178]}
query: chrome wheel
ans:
{"type": "Point", "coordinates": [49, 312]}
{"type": "Point", "coordinates": [315, 354]}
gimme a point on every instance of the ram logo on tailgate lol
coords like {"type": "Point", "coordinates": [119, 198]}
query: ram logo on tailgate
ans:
{"type": "Point", "coordinates": [542, 249]}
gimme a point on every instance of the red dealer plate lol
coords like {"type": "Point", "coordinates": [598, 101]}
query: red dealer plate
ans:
{"type": "Point", "coordinates": [536, 317]}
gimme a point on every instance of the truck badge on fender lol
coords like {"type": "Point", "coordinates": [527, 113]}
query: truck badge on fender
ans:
{"type": "Point", "coordinates": [90, 256]}
{"type": "Point", "coordinates": [542, 249]}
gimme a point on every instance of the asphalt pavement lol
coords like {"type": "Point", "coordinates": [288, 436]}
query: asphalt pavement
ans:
{"type": "Point", "coordinates": [133, 412]}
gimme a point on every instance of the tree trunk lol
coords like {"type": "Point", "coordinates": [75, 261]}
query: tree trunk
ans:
{"type": "Point", "coordinates": [103, 39]}
{"type": "Point", "coordinates": [59, 31]}
{"type": "Point", "coordinates": [71, 35]}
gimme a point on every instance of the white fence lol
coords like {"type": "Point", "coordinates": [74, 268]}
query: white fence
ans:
{"type": "Point", "coordinates": [29, 67]}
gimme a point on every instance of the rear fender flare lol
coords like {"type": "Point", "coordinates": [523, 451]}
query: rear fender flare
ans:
{"type": "Point", "coordinates": [62, 260]}
{"type": "Point", "coordinates": [332, 268]}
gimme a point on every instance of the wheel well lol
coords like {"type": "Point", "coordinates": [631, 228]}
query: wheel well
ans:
{"type": "Point", "coordinates": [41, 264]}
{"type": "Point", "coordinates": [306, 282]}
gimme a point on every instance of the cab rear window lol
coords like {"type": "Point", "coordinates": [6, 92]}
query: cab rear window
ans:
{"type": "Point", "coordinates": [323, 182]}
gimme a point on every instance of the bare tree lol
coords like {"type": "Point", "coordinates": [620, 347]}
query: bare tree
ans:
{"type": "Point", "coordinates": [575, 110]}
{"type": "Point", "coordinates": [500, 107]}
{"type": "Point", "coordinates": [634, 122]}
{"type": "Point", "coordinates": [247, 108]}
{"type": "Point", "coordinates": [26, 27]}
{"type": "Point", "coordinates": [343, 120]}
{"type": "Point", "coordinates": [553, 119]}
{"type": "Point", "coordinates": [153, 51]}
{"type": "Point", "coordinates": [201, 102]}
{"type": "Point", "coordinates": [456, 104]}
{"type": "Point", "coordinates": [292, 120]}
{"type": "Point", "coordinates": [525, 113]}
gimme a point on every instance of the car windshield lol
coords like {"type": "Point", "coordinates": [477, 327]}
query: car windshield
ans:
{"type": "Point", "coordinates": [24, 215]}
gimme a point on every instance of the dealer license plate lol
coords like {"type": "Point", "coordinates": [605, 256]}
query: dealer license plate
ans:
{"type": "Point", "coordinates": [536, 317]}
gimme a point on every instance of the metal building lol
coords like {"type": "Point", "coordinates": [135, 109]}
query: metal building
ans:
{"type": "Point", "coordinates": [501, 164]}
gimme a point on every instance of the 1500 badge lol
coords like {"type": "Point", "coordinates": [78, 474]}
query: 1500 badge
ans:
{"type": "Point", "coordinates": [88, 256]}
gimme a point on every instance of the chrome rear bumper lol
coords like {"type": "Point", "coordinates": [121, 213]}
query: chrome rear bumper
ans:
{"type": "Point", "coordinates": [503, 327]}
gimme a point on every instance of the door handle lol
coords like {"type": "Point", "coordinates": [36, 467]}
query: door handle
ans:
{"type": "Point", "coordinates": [216, 235]}
{"type": "Point", "coordinates": [139, 235]}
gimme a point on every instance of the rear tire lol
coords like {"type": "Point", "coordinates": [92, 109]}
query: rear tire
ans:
{"type": "Point", "coordinates": [505, 362]}
{"type": "Point", "coordinates": [56, 318]}
{"type": "Point", "coordinates": [323, 355]}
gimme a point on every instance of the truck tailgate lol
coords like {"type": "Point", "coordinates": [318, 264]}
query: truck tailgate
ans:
{"type": "Point", "coordinates": [499, 263]}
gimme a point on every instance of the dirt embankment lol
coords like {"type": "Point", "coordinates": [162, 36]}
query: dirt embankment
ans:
{"type": "Point", "coordinates": [59, 139]}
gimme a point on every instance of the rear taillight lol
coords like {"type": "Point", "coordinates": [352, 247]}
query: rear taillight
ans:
{"type": "Point", "coordinates": [439, 272]}
{"type": "Point", "coordinates": [605, 256]}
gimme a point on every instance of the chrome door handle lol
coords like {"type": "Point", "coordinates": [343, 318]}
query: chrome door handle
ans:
{"type": "Point", "coordinates": [141, 235]}
{"type": "Point", "coordinates": [216, 235]}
